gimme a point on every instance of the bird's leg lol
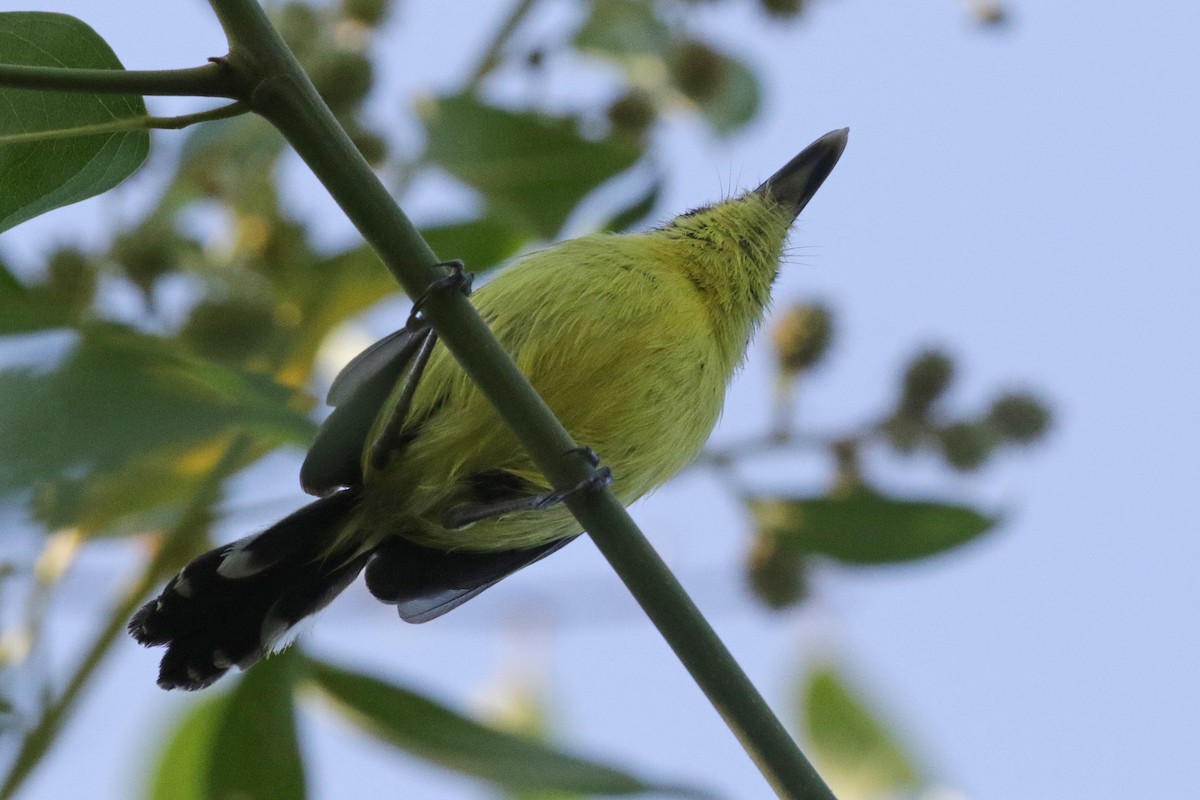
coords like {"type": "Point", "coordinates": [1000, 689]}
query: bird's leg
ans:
{"type": "Point", "coordinates": [458, 280]}
{"type": "Point", "coordinates": [466, 515]}
{"type": "Point", "coordinates": [388, 443]}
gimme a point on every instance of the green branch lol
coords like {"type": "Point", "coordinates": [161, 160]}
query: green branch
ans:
{"type": "Point", "coordinates": [210, 80]}
{"type": "Point", "coordinates": [491, 57]}
{"type": "Point", "coordinates": [282, 93]}
{"type": "Point", "coordinates": [130, 124]}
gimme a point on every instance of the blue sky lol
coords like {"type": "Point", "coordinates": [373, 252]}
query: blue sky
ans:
{"type": "Point", "coordinates": [1025, 197]}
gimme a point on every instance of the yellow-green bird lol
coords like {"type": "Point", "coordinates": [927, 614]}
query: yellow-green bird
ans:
{"type": "Point", "coordinates": [631, 340]}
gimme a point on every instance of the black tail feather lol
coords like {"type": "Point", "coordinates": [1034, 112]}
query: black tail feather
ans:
{"type": "Point", "coordinates": [230, 605]}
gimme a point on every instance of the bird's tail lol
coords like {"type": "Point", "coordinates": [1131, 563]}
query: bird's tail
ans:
{"type": "Point", "coordinates": [232, 604]}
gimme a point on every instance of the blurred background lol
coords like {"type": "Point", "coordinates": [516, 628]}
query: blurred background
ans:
{"type": "Point", "coordinates": [946, 523]}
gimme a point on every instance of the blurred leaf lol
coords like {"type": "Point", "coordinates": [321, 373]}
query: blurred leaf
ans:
{"type": "Point", "coordinates": [40, 176]}
{"type": "Point", "coordinates": [182, 768]}
{"type": "Point", "coordinates": [868, 528]}
{"type": "Point", "coordinates": [481, 243]}
{"type": "Point", "coordinates": [255, 753]}
{"type": "Point", "coordinates": [517, 705]}
{"type": "Point", "coordinates": [725, 91]}
{"type": "Point", "coordinates": [532, 167]}
{"type": "Point", "coordinates": [239, 744]}
{"type": "Point", "coordinates": [152, 249]}
{"type": "Point", "coordinates": [232, 158]}
{"type": "Point", "coordinates": [638, 210]}
{"type": "Point", "coordinates": [859, 756]}
{"type": "Point", "coordinates": [28, 308]}
{"type": "Point", "coordinates": [323, 294]}
{"type": "Point", "coordinates": [435, 733]}
{"type": "Point", "coordinates": [231, 329]}
{"type": "Point", "coordinates": [623, 28]}
{"type": "Point", "coordinates": [151, 492]}
{"type": "Point", "coordinates": [119, 395]}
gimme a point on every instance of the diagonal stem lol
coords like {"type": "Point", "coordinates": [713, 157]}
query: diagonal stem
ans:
{"type": "Point", "coordinates": [283, 94]}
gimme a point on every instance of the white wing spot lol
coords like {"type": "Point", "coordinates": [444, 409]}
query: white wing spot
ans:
{"type": "Point", "coordinates": [240, 561]}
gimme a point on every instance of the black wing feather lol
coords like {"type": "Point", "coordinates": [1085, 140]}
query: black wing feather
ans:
{"type": "Point", "coordinates": [424, 583]}
{"type": "Point", "coordinates": [380, 358]}
{"type": "Point", "coordinates": [359, 392]}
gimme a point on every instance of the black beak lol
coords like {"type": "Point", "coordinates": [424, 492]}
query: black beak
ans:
{"type": "Point", "coordinates": [794, 185]}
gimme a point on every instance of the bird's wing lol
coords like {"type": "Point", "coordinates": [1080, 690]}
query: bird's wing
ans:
{"type": "Point", "coordinates": [380, 358]}
{"type": "Point", "coordinates": [359, 392]}
{"type": "Point", "coordinates": [424, 583]}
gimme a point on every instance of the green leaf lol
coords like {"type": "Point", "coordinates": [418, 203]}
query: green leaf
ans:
{"type": "Point", "coordinates": [328, 291]}
{"type": "Point", "coordinates": [240, 744]}
{"type": "Point", "coordinates": [736, 101]}
{"type": "Point", "coordinates": [233, 159]}
{"type": "Point", "coordinates": [255, 753]}
{"type": "Point", "coordinates": [437, 734]}
{"type": "Point", "coordinates": [481, 243]}
{"type": "Point", "coordinates": [152, 492]}
{"type": "Point", "coordinates": [868, 528]}
{"type": "Point", "coordinates": [182, 768]}
{"type": "Point", "coordinates": [636, 211]}
{"type": "Point", "coordinates": [530, 167]}
{"type": "Point", "coordinates": [121, 394]}
{"type": "Point", "coordinates": [622, 29]}
{"type": "Point", "coordinates": [43, 175]}
{"type": "Point", "coordinates": [724, 90]}
{"type": "Point", "coordinates": [28, 308]}
{"type": "Point", "coordinates": [853, 748]}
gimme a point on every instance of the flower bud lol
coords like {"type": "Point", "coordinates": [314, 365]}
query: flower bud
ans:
{"type": "Point", "coordinates": [1019, 418]}
{"type": "Point", "coordinates": [145, 254]}
{"type": "Point", "coordinates": [299, 25]}
{"type": "Point", "coordinates": [698, 70]}
{"type": "Point", "coordinates": [343, 78]}
{"type": "Point", "coordinates": [926, 379]}
{"type": "Point", "coordinates": [801, 337]}
{"type": "Point", "coordinates": [632, 112]}
{"type": "Point", "coordinates": [782, 9]}
{"type": "Point", "coordinates": [367, 12]}
{"type": "Point", "coordinates": [373, 147]}
{"type": "Point", "coordinates": [967, 445]}
{"type": "Point", "coordinates": [989, 12]}
{"type": "Point", "coordinates": [777, 575]}
{"type": "Point", "coordinates": [71, 279]}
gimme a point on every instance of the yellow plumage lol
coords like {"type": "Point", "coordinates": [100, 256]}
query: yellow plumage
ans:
{"type": "Point", "coordinates": [631, 340]}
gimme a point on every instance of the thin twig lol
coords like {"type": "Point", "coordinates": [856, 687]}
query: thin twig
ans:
{"type": "Point", "coordinates": [210, 80]}
{"type": "Point", "coordinates": [130, 124]}
{"type": "Point", "coordinates": [491, 57]}
{"type": "Point", "coordinates": [172, 549]}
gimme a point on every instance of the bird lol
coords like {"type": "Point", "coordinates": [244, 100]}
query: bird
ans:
{"type": "Point", "coordinates": [631, 339]}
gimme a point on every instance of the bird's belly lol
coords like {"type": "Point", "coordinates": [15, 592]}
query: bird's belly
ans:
{"type": "Point", "coordinates": [643, 388]}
